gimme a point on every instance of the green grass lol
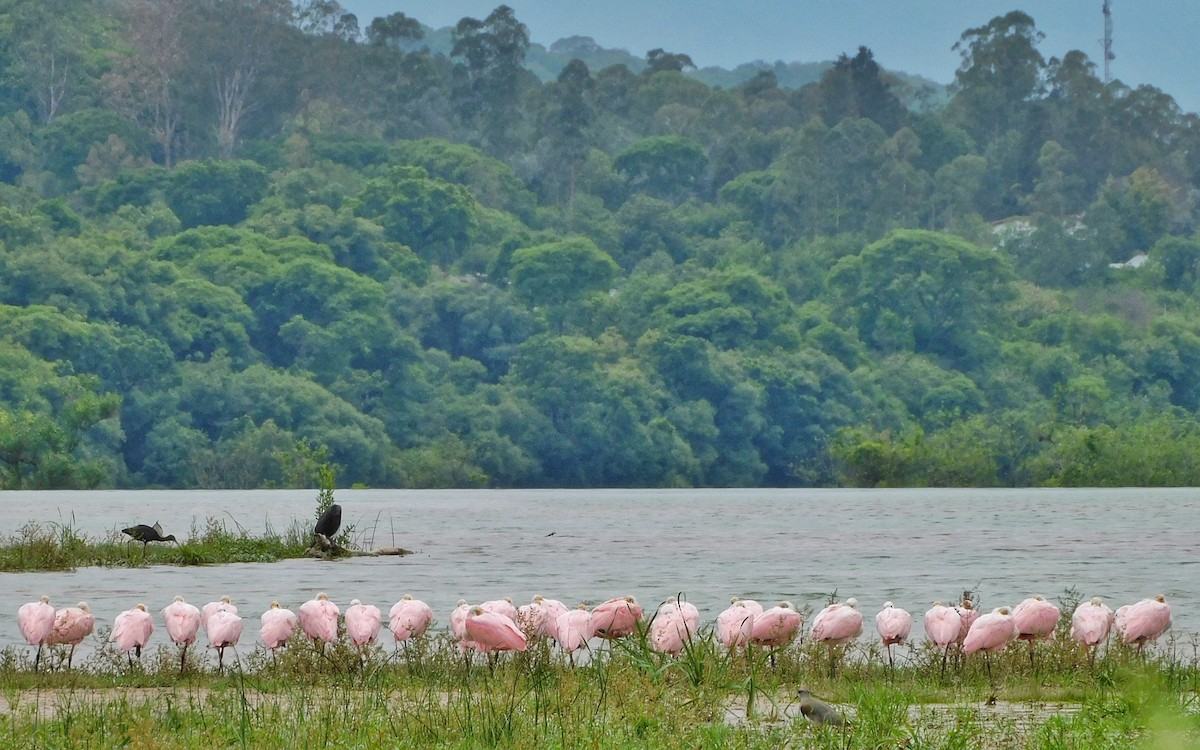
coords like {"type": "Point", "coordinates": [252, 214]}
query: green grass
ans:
{"type": "Point", "coordinates": [630, 697]}
{"type": "Point", "coordinates": [36, 547]}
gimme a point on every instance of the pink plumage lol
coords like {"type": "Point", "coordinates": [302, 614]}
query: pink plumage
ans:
{"type": "Point", "coordinates": [838, 623]}
{"type": "Point", "coordinates": [319, 619]}
{"type": "Point", "coordinates": [736, 624]}
{"type": "Point", "coordinates": [363, 623]}
{"type": "Point", "coordinates": [539, 617]}
{"type": "Point", "coordinates": [458, 625]}
{"type": "Point", "coordinates": [501, 607]}
{"type": "Point", "coordinates": [409, 618]}
{"type": "Point", "coordinates": [573, 629]}
{"type": "Point", "coordinates": [209, 609]}
{"type": "Point", "coordinates": [776, 627]}
{"type": "Point", "coordinates": [492, 632]}
{"type": "Point", "coordinates": [36, 621]}
{"type": "Point", "coordinates": [132, 628]}
{"type": "Point", "coordinates": [616, 618]}
{"type": "Point", "coordinates": [1035, 618]}
{"type": "Point", "coordinates": [942, 625]}
{"type": "Point", "coordinates": [182, 621]}
{"type": "Point", "coordinates": [71, 626]}
{"type": "Point", "coordinates": [1091, 622]}
{"type": "Point", "coordinates": [893, 624]}
{"type": "Point", "coordinates": [224, 629]}
{"type": "Point", "coordinates": [967, 615]}
{"type": "Point", "coordinates": [278, 625]}
{"type": "Point", "coordinates": [674, 626]}
{"type": "Point", "coordinates": [1146, 621]}
{"type": "Point", "coordinates": [991, 632]}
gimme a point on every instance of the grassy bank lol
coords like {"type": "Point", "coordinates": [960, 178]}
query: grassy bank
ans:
{"type": "Point", "coordinates": [55, 546]}
{"type": "Point", "coordinates": [429, 695]}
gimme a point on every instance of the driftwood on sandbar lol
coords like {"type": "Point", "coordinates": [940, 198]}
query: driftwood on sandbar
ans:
{"type": "Point", "coordinates": [325, 548]}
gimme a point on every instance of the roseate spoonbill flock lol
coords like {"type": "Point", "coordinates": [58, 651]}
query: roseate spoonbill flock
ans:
{"type": "Point", "coordinates": [498, 625]}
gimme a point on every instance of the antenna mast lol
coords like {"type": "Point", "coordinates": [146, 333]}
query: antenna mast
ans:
{"type": "Point", "coordinates": [1108, 53]}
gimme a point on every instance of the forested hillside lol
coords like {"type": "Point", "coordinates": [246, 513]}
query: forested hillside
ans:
{"type": "Point", "coordinates": [241, 238]}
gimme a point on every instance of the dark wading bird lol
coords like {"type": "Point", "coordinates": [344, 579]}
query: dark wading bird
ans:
{"type": "Point", "coordinates": [329, 522]}
{"type": "Point", "coordinates": [146, 534]}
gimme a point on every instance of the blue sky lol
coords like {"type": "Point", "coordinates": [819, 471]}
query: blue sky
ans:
{"type": "Point", "coordinates": [1154, 42]}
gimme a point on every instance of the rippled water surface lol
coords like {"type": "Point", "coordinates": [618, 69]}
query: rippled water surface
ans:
{"type": "Point", "coordinates": [907, 546]}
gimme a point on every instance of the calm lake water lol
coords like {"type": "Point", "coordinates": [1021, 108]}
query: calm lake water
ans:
{"type": "Point", "coordinates": [907, 546]}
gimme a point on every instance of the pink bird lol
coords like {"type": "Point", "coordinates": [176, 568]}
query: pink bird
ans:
{"type": "Point", "coordinates": [1090, 624]}
{"type": "Point", "coordinates": [131, 630]}
{"type": "Point", "coordinates": [409, 618]}
{"type": "Point", "coordinates": [212, 607]}
{"type": "Point", "coordinates": [776, 627]}
{"type": "Point", "coordinates": [967, 614]}
{"type": "Point", "coordinates": [71, 626]}
{"type": "Point", "coordinates": [736, 624]}
{"type": "Point", "coordinates": [458, 625]}
{"type": "Point", "coordinates": [1120, 620]}
{"type": "Point", "coordinates": [183, 622]}
{"type": "Point", "coordinates": [36, 621]}
{"type": "Point", "coordinates": [942, 625]}
{"type": "Point", "coordinates": [224, 629]}
{"type": "Point", "coordinates": [1035, 619]}
{"type": "Point", "coordinates": [1146, 621]}
{"type": "Point", "coordinates": [836, 625]}
{"type": "Point", "coordinates": [673, 626]}
{"type": "Point", "coordinates": [616, 618]}
{"type": "Point", "coordinates": [573, 630]}
{"type": "Point", "coordinates": [894, 625]}
{"type": "Point", "coordinates": [278, 625]}
{"type": "Point", "coordinates": [319, 620]}
{"type": "Point", "coordinates": [501, 607]}
{"type": "Point", "coordinates": [537, 619]}
{"type": "Point", "coordinates": [363, 623]}
{"type": "Point", "coordinates": [991, 633]}
{"type": "Point", "coordinates": [492, 633]}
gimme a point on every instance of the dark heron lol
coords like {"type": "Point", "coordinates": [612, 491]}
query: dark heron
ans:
{"type": "Point", "coordinates": [146, 534]}
{"type": "Point", "coordinates": [329, 522]}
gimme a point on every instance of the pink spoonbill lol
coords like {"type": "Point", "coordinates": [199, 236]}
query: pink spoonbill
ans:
{"type": "Point", "coordinates": [183, 622]}
{"type": "Point", "coordinates": [131, 630]}
{"type": "Point", "coordinates": [1146, 621]}
{"type": "Point", "coordinates": [776, 627]}
{"type": "Point", "coordinates": [209, 609]}
{"type": "Point", "coordinates": [409, 618]}
{"type": "Point", "coordinates": [36, 621]}
{"type": "Point", "coordinates": [616, 618]}
{"type": "Point", "coordinates": [363, 623]}
{"type": "Point", "coordinates": [573, 630]}
{"type": "Point", "coordinates": [894, 625]}
{"type": "Point", "coordinates": [71, 626]}
{"type": "Point", "coordinates": [991, 633]}
{"type": "Point", "coordinates": [736, 624]}
{"type": "Point", "coordinates": [492, 633]}
{"type": "Point", "coordinates": [837, 625]}
{"type": "Point", "coordinates": [1090, 624]}
{"type": "Point", "coordinates": [458, 625]}
{"type": "Point", "coordinates": [1035, 619]}
{"type": "Point", "coordinates": [942, 625]}
{"type": "Point", "coordinates": [319, 620]}
{"type": "Point", "coordinates": [224, 629]}
{"type": "Point", "coordinates": [278, 625]}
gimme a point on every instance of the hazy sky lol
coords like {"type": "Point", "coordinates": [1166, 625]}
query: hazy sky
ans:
{"type": "Point", "coordinates": [1154, 42]}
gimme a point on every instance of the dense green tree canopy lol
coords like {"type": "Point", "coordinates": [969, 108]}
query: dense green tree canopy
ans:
{"type": "Point", "coordinates": [236, 235]}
